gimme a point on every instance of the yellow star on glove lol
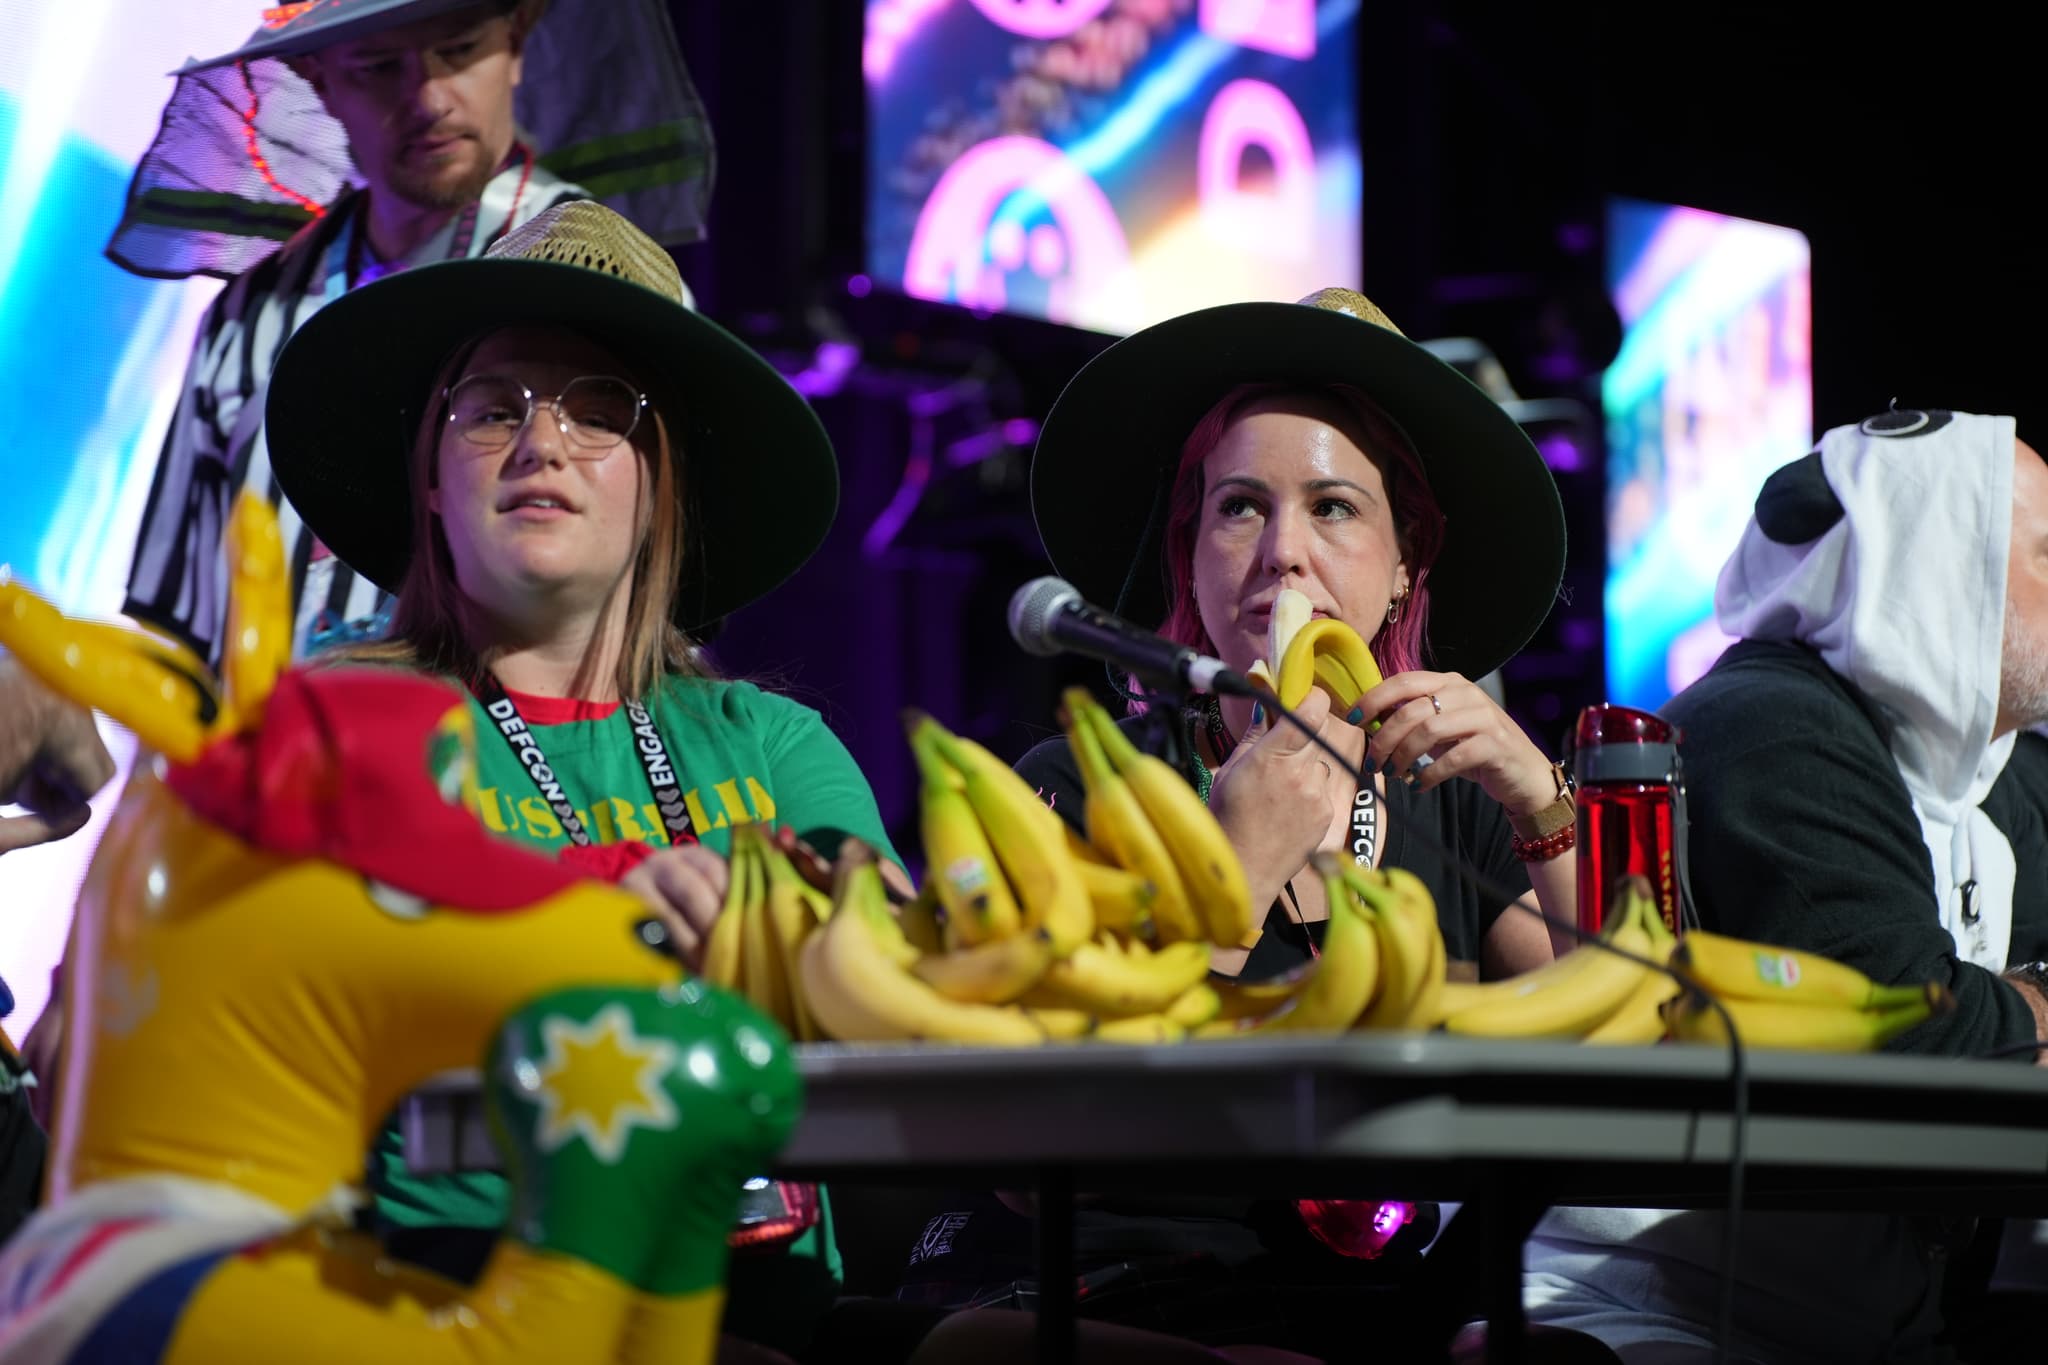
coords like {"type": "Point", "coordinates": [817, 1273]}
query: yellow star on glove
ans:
{"type": "Point", "coordinates": [601, 1080]}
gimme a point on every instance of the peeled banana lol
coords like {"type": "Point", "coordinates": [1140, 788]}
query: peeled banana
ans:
{"type": "Point", "coordinates": [1306, 653]}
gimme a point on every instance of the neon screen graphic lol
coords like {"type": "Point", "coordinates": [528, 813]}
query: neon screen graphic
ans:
{"type": "Point", "coordinates": [94, 357]}
{"type": "Point", "coordinates": [1711, 390]}
{"type": "Point", "coordinates": [1109, 165]}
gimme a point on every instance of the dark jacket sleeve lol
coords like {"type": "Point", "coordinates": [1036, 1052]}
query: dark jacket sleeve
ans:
{"type": "Point", "coordinates": [1802, 834]}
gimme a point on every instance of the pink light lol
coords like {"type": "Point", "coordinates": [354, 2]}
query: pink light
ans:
{"type": "Point", "coordinates": [1041, 18]}
{"type": "Point", "coordinates": [1280, 226]}
{"type": "Point", "coordinates": [1285, 27]}
{"type": "Point", "coordinates": [952, 252]}
{"type": "Point", "coordinates": [1390, 1218]}
{"type": "Point", "coordinates": [891, 24]}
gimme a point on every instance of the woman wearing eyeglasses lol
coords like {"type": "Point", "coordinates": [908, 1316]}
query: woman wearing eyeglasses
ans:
{"type": "Point", "coordinates": [562, 472]}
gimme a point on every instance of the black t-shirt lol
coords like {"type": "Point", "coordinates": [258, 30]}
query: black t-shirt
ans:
{"type": "Point", "coordinates": [1802, 833]}
{"type": "Point", "coordinates": [1457, 817]}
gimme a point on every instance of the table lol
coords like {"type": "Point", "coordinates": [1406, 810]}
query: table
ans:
{"type": "Point", "coordinates": [1507, 1128]}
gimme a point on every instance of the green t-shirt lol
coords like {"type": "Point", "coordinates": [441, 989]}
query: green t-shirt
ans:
{"type": "Point", "coordinates": [740, 754]}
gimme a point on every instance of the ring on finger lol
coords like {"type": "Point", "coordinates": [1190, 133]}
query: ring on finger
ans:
{"type": "Point", "coordinates": [1439, 706]}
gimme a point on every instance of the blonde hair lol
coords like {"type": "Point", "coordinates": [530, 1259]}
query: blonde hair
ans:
{"type": "Point", "coordinates": [432, 620]}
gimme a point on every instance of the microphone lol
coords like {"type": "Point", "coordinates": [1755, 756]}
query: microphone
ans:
{"type": "Point", "coordinates": [1048, 617]}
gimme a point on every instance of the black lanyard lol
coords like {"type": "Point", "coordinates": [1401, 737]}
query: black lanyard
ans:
{"type": "Point", "coordinates": [647, 743]}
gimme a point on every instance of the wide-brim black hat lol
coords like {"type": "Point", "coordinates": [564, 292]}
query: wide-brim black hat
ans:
{"type": "Point", "coordinates": [1112, 443]}
{"type": "Point", "coordinates": [350, 388]}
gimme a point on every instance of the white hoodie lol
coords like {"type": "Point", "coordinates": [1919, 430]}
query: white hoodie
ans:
{"type": "Point", "coordinates": [1904, 596]}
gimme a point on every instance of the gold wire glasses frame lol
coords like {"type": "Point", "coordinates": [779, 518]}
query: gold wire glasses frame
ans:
{"type": "Point", "coordinates": [596, 413]}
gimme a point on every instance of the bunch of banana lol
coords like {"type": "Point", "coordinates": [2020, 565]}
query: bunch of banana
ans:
{"type": "Point", "coordinates": [1303, 652]}
{"type": "Point", "coordinates": [873, 975]}
{"type": "Point", "coordinates": [1144, 818]}
{"type": "Point", "coordinates": [1589, 994]}
{"type": "Point", "coordinates": [1381, 965]}
{"type": "Point", "coordinates": [999, 863]}
{"type": "Point", "coordinates": [769, 913]}
{"type": "Point", "coordinates": [1784, 998]}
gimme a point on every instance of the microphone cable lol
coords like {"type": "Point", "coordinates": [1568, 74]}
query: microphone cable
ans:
{"type": "Point", "coordinates": [1738, 1072]}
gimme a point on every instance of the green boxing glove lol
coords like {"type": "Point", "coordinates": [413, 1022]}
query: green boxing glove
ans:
{"type": "Point", "coordinates": [629, 1118]}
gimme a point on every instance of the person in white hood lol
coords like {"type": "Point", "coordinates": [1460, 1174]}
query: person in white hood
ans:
{"type": "Point", "coordinates": [1853, 791]}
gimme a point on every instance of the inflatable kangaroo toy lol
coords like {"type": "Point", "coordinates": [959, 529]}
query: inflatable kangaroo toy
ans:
{"type": "Point", "coordinates": [291, 922]}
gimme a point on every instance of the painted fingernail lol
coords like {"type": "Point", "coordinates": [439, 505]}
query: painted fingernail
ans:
{"type": "Point", "coordinates": [1357, 715]}
{"type": "Point", "coordinates": [1258, 713]}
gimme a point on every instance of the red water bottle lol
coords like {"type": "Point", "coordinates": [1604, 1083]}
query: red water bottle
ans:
{"type": "Point", "coordinates": [1626, 765]}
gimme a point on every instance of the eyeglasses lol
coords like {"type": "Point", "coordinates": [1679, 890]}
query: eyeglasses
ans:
{"type": "Point", "coordinates": [595, 413]}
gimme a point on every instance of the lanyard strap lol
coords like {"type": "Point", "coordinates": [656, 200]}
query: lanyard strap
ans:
{"type": "Point", "coordinates": [461, 239]}
{"type": "Point", "coordinates": [647, 745]}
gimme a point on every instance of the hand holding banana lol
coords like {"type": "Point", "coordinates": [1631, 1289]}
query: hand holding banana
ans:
{"type": "Point", "coordinates": [1442, 715]}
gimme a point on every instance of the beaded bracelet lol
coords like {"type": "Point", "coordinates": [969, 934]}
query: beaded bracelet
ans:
{"type": "Point", "coordinates": [1542, 850]}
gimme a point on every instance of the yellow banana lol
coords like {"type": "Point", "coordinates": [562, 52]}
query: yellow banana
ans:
{"type": "Point", "coordinates": [1565, 1006]}
{"type": "Point", "coordinates": [722, 949]}
{"type": "Point", "coordinates": [920, 920]}
{"type": "Point", "coordinates": [959, 863]}
{"type": "Point", "coordinates": [1411, 973]}
{"type": "Point", "coordinates": [992, 973]}
{"type": "Point", "coordinates": [1094, 978]}
{"type": "Point", "coordinates": [1734, 968]}
{"type": "Point", "coordinates": [1029, 841]}
{"type": "Point", "coordinates": [1639, 1018]}
{"type": "Point", "coordinates": [1141, 1028]}
{"type": "Point", "coordinates": [1251, 999]}
{"type": "Point", "coordinates": [763, 976]}
{"type": "Point", "coordinates": [1344, 976]}
{"type": "Point", "coordinates": [1118, 825]}
{"type": "Point", "coordinates": [858, 992]}
{"type": "Point", "coordinates": [1122, 899]}
{"type": "Point", "coordinates": [1355, 672]}
{"type": "Point", "coordinates": [1425, 1010]}
{"type": "Point", "coordinates": [962, 754]}
{"type": "Point", "coordinates": [1196, 1007]}
{"type": "Point", "coordinates": [1692, 1018]}
{"type": "Point", "coordinates": [1211, 875]}
{"type": "Point", "coordinates": [1059, 1024]}
{"type": "Point", "coordinates": [1459, 996]}
{"type": "Point", "coordinates": [792, 920]}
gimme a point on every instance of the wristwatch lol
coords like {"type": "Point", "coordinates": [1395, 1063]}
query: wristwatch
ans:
{"type": "Point", "coordinates": [2034, 974]}
{"type": "Point", "coordinates": [1555, 816]}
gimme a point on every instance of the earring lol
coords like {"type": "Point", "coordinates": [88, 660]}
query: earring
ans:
{"type": "Point", "coordinates": [1394, 609]}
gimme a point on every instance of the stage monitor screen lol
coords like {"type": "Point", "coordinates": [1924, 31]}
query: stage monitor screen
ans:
{"type": "Point", "coordinates": [1712, 390]}
{"type": "Point", "coordinates": [1106, 165]}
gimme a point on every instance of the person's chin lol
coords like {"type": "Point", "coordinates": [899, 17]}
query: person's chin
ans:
{"type": "Point", "coordinates": [449, 182]}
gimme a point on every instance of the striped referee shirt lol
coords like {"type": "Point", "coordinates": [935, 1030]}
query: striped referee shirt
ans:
{"type": "Point", "coordinates": [214, 448]}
